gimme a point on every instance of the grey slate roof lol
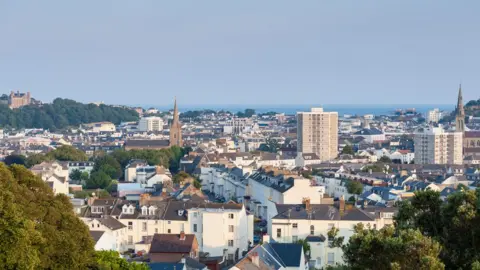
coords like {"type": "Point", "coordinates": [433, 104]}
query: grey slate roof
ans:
{"type": "Point", "coordinates": [96, 235]}
{"type": "Point", "coordinates": [321, 212]}
{"type": "Point", "coordinates": [289, 253]}
{"type": "Point", "coordinates": [171, 243]}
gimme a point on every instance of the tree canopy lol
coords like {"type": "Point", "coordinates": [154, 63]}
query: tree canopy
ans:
{"type": "Point", "coordinates": [62, 113]}
{"type": "Point", "coordinates": [348, 150]}
{"type": "Point", "coordinates": [354, 187]}
{"type": "Point", "coordinates": [39, 230]}
{"type": "Point", "coordinates": [384, 249]}
{"type": "Point", "coordinates": [62, 153]}
{"type": "Point", "coordinates": [15, 159]}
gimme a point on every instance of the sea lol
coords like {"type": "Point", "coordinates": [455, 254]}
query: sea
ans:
{"type": "Point", "coordinates": [342, 109]}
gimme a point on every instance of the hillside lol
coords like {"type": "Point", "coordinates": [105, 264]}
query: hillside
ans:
{"type": "Point", "coordinates": [62, 113]}
{"type": "Point", "coordinates": [473, 108]}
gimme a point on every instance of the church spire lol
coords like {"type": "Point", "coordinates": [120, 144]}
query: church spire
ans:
{"type": "Point", "coordinates": [176, 128]}
{"type": "Point", "coordinates": [175, 114]}
{"type": "Point", "coordinates": [460, 112]}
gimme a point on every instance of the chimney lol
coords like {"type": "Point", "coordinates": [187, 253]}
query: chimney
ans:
{"type": "Point", "coordinates": [308, 207]}
{"type": "Point", "coordinates": [255, 258]}
{"type": "Point", "coordinates": [342, 205]}
{"type": "Point", "coordinates": [266, 238]}
{"type": "Point", "coordinates": [91, 199]}
{"type": "Point", "coordinates": [182, 236]}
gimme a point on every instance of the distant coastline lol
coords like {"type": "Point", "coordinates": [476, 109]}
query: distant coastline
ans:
{"type": "Point", "coordinates": [354, 109]}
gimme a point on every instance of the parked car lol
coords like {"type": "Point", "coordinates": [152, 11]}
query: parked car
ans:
{"type": "Point", "coordinates": [256, 239]}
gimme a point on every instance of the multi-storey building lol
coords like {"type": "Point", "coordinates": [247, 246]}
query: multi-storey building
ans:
{"type": "Point", "coordinates": [434, 116]}
{"type": "Point", "coordinates": [151, 123]}
{"type": "Point", "coordinates": [221, 229]}
{"type": "Point", "coordinates": [312, 222]}
{"type": "Point", "coordinates": [434, 145]}
{"type": "Point", "coordinates": [317, 132]}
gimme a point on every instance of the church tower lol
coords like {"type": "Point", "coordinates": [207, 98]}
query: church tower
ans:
{"type": "Point", "coordinates": [460, 113]}
{"type": "Point", "coordinates": [176, 128]}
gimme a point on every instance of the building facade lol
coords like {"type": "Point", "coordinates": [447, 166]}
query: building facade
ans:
{"type": "Point", "coordinates": [317, 132]}
{"type": "Point", "coordinates": [434, 116]}
{"type": "Point", "coordinates": [152, 123]}
{"type": "Point", "coordinates": [434, 145]}
{"type": "Point", "coordinates": [17, 99]}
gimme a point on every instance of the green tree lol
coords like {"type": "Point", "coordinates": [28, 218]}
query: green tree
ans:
{"type": "Point", "coordinates": [111, 260]}
{"type": "Point", "coordinates": [39, 230]}
{"type": "Point", "coordinates": [385, 159]}
{"type": "Point", "coordinates": [354, 187]}
{"type": "Point", "coordinates": [67, 153]}
{"type": "Point", "coordinates": [98, 179]}
{"type": "Point", "coordinates": [348, 150]}
{"type": "Point", "coordinates": [180, 177]}
{"type": "Point", "coordinates": [34, 159]}
{"type": "Point", "coordinates": [305, 245]}
{"type": "Point", "coordinates": [423, 212]}
{"type": "Point", "coordinates": [75, 175]}
{"type": "Point", "coordinates": [15, 159]}
{"type": "Point", "coordinates": [386, 249]}
{"type": "Point", "coordinates": [109, 165]}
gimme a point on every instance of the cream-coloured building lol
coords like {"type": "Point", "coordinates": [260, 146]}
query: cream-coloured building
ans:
{"type": "Point", "coordinates": [312, 222]}
{"type": "Point", "coordinates": [434, 145]}
{"type": "Point", "coordinates": [434, 115]}
{"type": "Point", "coordinates": [317, 132]}
{"type": "Point", "coordinates": [152, 123]}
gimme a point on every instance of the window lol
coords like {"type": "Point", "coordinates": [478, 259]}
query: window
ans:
{"type": "Point", "coordinates": [169, 231]}
{"type": "Point", "coordinates": [195, 214]}
{"type": "Point", "coordinates": [312, 230]}
{"type": "Point", "coordinates": [230, 257]}
{"type": "Point", "coordinates": [130, 225]}
{"type": "Point", "coordinates": [98, 225]}
{"type": "Point", "coordinates": [230, 216]}
{"type": "Point", "coordinates": [194, 227]}
{"type": "Point", "coordinates": [93, 225]}
{"type": "Point", "coordinates": [169, 222]}
{"type": "Point", "coordinates": [144, 211]}
{"type": "Point", "coordinates": [295, 225]}
{"type": "Point", "coordinates": [312, 263]}
{"type": "Point", "coordinates": [230, 228]}
{"type": "Point", "coordinates": [294, 239]}
{"type": "Point", "coordinates": [131, 210]}
{"type": "Point", "coordinates": [130, 239]}
{"type": "Point", "coordinates": [279, 232]}
{"type": "Point", "coordinates": [156, 230]}
{"type": "Point", "coordinates": [144, 226]}
{"type": "Point", "coordinates": [230, 243]}
{"type": "Point", "coordinates": [331, 258]}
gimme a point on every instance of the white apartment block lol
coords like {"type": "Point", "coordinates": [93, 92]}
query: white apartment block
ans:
{"type": "Point", "coordinates": [434, 116]}
{"type": "Point", "coordinates": [317, 132]}
{"type": "Point", "coordinates": [152, 123]}
{"type": "Point", "coordinates": [221, 229]}
{"type": "Point", "coordinates": [434, 145]}
{"type": "Point", "coordinates": [313, 222]}
{"type": "Point", "coordinates": [267, 188]}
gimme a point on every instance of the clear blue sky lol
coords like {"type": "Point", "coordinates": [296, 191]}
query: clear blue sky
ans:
{"type": "Point", "coordinates": [242, 52]}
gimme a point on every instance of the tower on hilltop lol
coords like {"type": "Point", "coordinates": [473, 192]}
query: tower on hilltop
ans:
{"type": "Point", "coordinates": [176, 128]}
{"type": "Point", "coordinates": [460, 112]}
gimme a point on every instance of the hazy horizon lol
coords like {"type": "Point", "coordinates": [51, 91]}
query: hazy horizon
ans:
{"type": "Point", "coordinates": [248, 52]}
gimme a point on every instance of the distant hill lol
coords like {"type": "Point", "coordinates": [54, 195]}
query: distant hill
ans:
{"type": "Point", "coordinates": [473, 108]}
{"type": "Point", "coordinates": [63, 113]}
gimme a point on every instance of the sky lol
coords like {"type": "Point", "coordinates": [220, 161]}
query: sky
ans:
{"type": "Point", "coordinates": [241, 52]}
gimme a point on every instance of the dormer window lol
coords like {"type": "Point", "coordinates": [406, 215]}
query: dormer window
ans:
{"type": "Point", "coordinates": [131, 209]}
{"type": "Point", "coordinates": [144, 211]}
{"type": "Point", "coordinates": [151, 210]}
{"type": "Point", "coordinates": [125, 209]}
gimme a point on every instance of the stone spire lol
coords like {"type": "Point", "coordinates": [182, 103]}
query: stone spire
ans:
{"type": "Point", "coordinates": [176, 121]}
{"type": "Point", "coordinates": [176, 128]}
{"type": "Point", "coordinates": [460, 112]}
